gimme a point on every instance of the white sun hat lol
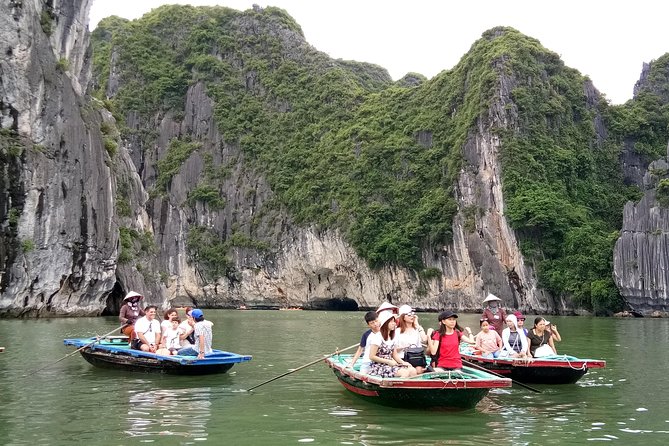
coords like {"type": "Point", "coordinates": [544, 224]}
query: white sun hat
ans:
{"type": "Point", "coordinates": [384, 317]}
{"type": "Point", "coordinates": [405, 309]}
{"type": "Point", "coordinates": [132, 294]}
{"type": "Point", "coordinates": [387, 306]}
{"type": "Point", "coordinates": [491, 297]}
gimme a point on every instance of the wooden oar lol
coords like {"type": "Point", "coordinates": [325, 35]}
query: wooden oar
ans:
{"type": "Point", "coordinates": [476, 366]}
{"type": "Point", "coordinates": [97, 339]}
{"type": "Point", "coordinates": [303, 366]}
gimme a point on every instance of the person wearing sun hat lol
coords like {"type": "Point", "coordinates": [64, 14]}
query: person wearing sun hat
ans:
{"type": "Point", "coordinates": [382, 352]}
{"type": "Point", "coordinates": [130, 312]}
{"type": "Point", "coordinates": [494, 313]}
{"type": "Point", "coordinates": [387, 306]}
{"type": "Point", "coordinates": [521, 321]}
{"type": "Point", "coordinates": [409, 334]}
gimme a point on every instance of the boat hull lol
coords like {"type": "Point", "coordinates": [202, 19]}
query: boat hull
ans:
{"type": "Point", "coordinates": [109, 360]}
{"type": "Point", "coordinates": [442, 391]}
{"type": "Point", "coordinates": [413, 398]}
{"type": "Point", "coordinates": [567, 370]}
{"type": "Point", "coordinates": [112, 354]}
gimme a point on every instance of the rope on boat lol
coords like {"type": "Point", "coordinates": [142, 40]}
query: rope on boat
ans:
{"type": "Point", "coordinates": [566, 358]}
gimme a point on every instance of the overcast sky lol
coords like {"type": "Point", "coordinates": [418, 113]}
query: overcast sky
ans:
{"type": "Point", "coordinates": [607, 41]}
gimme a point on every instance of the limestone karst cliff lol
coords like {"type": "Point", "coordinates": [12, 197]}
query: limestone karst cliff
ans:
{"type": "Point", "coordinates": [213, 157]}
{"type": "Point", "coordinates": [640, 254]}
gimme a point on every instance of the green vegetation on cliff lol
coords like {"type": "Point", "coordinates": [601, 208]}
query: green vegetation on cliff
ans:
{"type": "Point", "coordinates": [343, 146]}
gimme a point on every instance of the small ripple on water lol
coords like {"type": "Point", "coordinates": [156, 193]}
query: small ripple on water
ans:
{"type": "Point", "coordinates": [635, 431]}
{"type": "Point", "coordinates": [344, 413]}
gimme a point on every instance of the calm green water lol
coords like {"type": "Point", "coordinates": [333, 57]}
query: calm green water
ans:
{"type": "Point", "coordinates": [70, 402]}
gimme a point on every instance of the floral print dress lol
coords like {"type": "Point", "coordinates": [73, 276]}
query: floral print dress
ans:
{"type": "Point", "coordinates": [384, 370]}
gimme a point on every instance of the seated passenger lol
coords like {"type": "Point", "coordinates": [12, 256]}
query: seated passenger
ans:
{"type": "Point", "coordinates": [552, 330]}
{"type": "Point", "coordinates": [372, 320]}
{"type": "Point", "coordinates": [521, 321]}
{"type": "Point", "coordinates": [187, 336]}
{"type": "Point", "coordinates": [541, 342]}
{"type": "Point", "coordinates": [409, 334]}
{"type": "Point", "coordinates": [488, 342]}
{"type": "Point", "coordinates": [385, 360]}
{"type": "Point", "coordinates": [166, 324]}
{"type": "Point", "coordinates": [147, 330]}
{"type": "Point", "coordinates": [203, 336]}
{"type": "Point", "coordinates": [444, 345]}
{"type": "Point", "coordinates": [171, 342]}
{"type": "Point", "coordinates": [515, 341]}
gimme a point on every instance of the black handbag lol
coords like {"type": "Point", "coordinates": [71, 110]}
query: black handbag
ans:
{"type": "Point", "coordinates": [415, 356]}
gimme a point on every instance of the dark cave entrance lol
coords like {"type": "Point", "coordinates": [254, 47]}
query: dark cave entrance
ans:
{"type": "Point", "coordinates": [114, 301]}
{"type": "Point", "coordinates": [333, 304]}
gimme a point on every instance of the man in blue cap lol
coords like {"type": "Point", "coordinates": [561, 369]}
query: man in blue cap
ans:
{"type": "Point", "coordinates": [203, 336]}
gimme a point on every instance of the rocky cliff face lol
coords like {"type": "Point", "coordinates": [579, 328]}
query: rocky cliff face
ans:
{"type": "Point", "coordinates": [60, 240]}
{"type": "Point", "coordinates": [318, 269]}
{"type": "Point", "coordinates": [641, 260]}
{"type": "Point", "coordinates": [74, 194]}
{"type": "Point", "coordinates": [640, 254]}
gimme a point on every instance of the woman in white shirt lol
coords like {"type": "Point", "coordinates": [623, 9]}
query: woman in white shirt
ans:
{"type": "Point", "coordinates": [515, 342]}
{"type": "Point", "coordinates": [383, 354]}
{"type": "Point", "coordinates": [409, 334]}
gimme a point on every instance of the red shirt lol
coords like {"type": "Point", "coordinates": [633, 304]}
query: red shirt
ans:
{"type": "Point", "coordinates": [449, 350]}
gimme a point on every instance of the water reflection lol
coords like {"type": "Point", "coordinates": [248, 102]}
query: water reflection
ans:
{"type": "Point", "coordinates": [166, 412]}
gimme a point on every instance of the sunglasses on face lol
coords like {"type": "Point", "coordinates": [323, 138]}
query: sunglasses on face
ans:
{"type": "Point", "coordinates": [521, 319]}
{"type": "Point", "coordinates": [410, 314]}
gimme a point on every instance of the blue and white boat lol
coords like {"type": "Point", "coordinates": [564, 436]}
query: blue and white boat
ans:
{"type": "Point", "coordinates": [114, 352]}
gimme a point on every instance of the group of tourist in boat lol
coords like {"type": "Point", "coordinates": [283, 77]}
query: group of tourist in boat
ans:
{"type": "Point", "coordinates": [395, 344]}
{"type": "Point", "coordinates": [190, 337]}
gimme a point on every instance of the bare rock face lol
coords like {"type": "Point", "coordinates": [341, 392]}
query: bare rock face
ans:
{"type": "Point", "coordinates": [57, 208]}
{"type": "Point", "coordinates": [640, 257]}
{"type": "Point", "coordinates": [485, 256]}
{"type": "Point", "coordinates": [61, 197]}
{"type": "Point", "coordinates": [309, 268]}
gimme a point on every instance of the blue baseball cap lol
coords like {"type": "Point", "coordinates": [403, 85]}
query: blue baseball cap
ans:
{"type": "Point", "coordinates": [197, 313]}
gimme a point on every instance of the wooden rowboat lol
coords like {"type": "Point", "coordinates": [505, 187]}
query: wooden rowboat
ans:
{"type": "Point", "coordinates": [558, 369]}
{"type": "Point", "coordinates": [115, 353]}
{"type": "Point", "coordinates": [446, 390]}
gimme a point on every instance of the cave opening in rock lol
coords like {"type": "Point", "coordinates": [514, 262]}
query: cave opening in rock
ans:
{"type": "Point", "coordinates": [333, 304]}
{"type": "Point", "coordinates": [114, 301]}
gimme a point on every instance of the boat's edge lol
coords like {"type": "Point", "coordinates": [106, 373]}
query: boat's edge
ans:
{"type": "Point", "coordinates": [559, 362]}
{"type": "Point", "coordinates": [418, 383]}
{"type": "Point", "coordinates": [217, 357]}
